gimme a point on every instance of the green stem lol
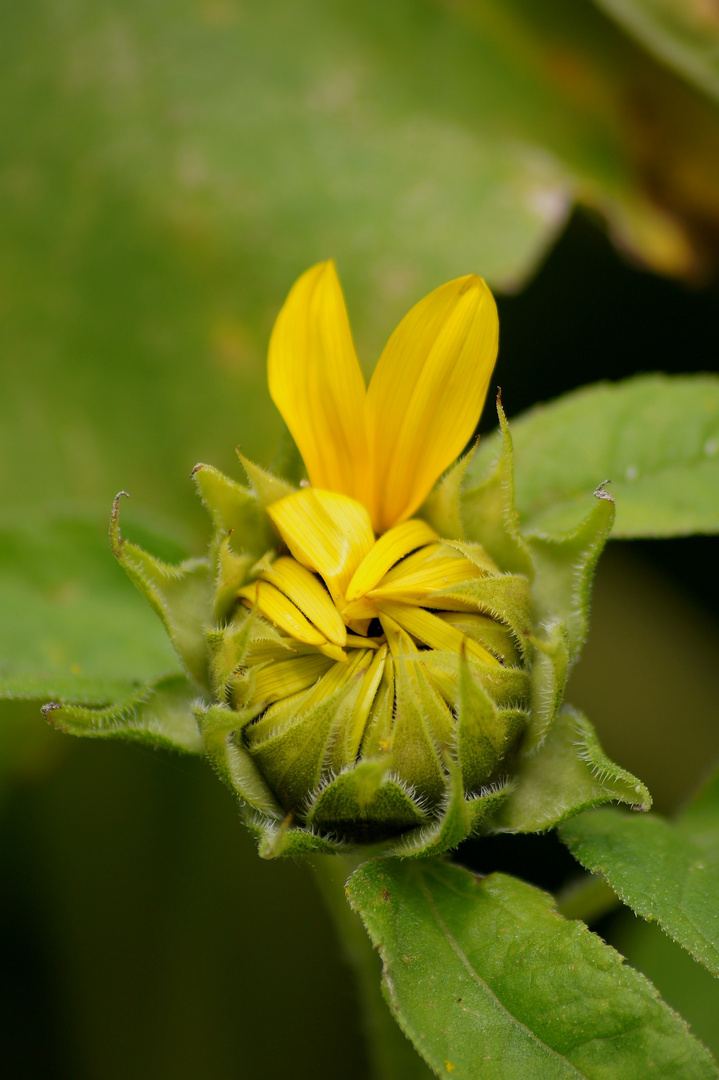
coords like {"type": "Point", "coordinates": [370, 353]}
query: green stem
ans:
{"type": "Point", "coordinates": [588, 899]}
{"type": "Point", "coordinates": [392, 1056]}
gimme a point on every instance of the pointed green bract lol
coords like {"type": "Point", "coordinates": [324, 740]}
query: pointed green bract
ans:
{"type": "Point", "coordinates": [564, 567]}
{"type": "Point", "coordinates": [507, 598]}
{"type": "Point", "coordinates": [232, 571]}
{"type": "Point", "coordinates": [488, 510]}
{"type": "Point", "coordinates": [549, 675]}
{"type": "Point", "coordinates": [415, 753]}
{"type": "Point", "coordinates": [367, 803]}
{"type": "Point", "coordinates": [233, 509]}
{"type": "Point", "coordinates": [267, 487]}
{"type": "Point", "coordinates": [158, 715]}
{"type": "Point", "coordinates": [486, 735]}
{"type": "Point", "coordinates": [221, 731]}
{"type": "Point", "coordinates": [181, 596]}
{"type": "Point", "coordinates": [567, 774]}
{"type": "Point", "coordinates": [490, 982]}
{"type": "Point", "coordinates": [442, 508]}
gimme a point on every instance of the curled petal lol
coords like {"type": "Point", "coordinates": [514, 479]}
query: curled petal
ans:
{"type": "Point", "coordinates": [328, 533]}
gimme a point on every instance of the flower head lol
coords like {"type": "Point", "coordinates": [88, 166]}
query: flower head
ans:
{"type": "Point", "coordinates": [371, 610]}
{"type": "Point", "coordinates": [380, 654]}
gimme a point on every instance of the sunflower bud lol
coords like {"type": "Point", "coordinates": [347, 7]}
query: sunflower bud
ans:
{"type": "Point", "coordinates": [379, 657]}
{"type": "Point", "coordinates": [390, 690]}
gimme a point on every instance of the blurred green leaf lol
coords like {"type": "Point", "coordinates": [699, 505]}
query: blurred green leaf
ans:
{"type": "Point", "coordinates": [169, 170]}
{"type": "Point", "coordinates": [656, 437]}
{"type": "Point", "coordinates": [489, 981]}
{"type": "Point", "coordinates": [71, 625]}
{"type": "Point", "coordinates": [682, 33]}
{"type": "Point", "coordinates": [665, 871]}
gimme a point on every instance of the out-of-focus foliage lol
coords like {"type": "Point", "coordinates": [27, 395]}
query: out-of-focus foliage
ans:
{"type": "Point", "coordinates": [683, 33]}
{"type": "Point", "coordinates": [71, 625]}
{"type": "Point", "coordinates": [168, 169]}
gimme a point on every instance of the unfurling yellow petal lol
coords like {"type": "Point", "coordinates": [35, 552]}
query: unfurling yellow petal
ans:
{"type": "Point", "coordinates": [304, 590]}
{"type": "Point", "coordinates": [326, 532]}
{"type": "Point", "coordinates": [389, 549]}
{"type": "Point", "coordinates": [316, 383]}
{"type": "Point", "coordinates": [427, 393]}
{"type": "Point", "coordinates": [433, 631]}
{"type": "Point", "coordinates": [275, 607]}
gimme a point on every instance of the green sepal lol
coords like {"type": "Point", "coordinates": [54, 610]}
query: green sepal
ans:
{"type": "Point", "coordinates": [413, 746]}
{"type": "Point", "coordinates": [569, 773]}
{"type": "Point", "coordinates": [491, 635]}
{"type": "Point", "coordinates": [367, 802]}
{"type": "Point", "coordinates": [451, 826]}
{"type": "Point", "coordinates": [548, 679]}
{"type": "Point", "coordinates": [227, 650]}
{"type": "Point", "coordinates": [267, 487]}
{"type": "Point", "coordinates": [158, 715]}
{"type": "Point", "coordinates": [231, 573]}
{"type": "Point", "coordinates": [287, 840]}
{"type": "Point", "coordinates": [507, 686]}
{"type": "Point", "coordinates": [564, 568]}
{"type": "Point", "coordinates": [181, 595]}
{"type": "Point", "coordinates": [293, 759]}
{"type": "Point", "coordinates": [488, 510]}
{"type": "Point", "coordinates": [442, 509]}
{"type": "Point", "coordinates": [486, 736]}
{"type": "Point", "coordinates": [233, 509]}
{"type": "Point", "coordinates": [219, 726]}
{"type": "Point", "coordinates": [505, 597]}
{"type": "Point", "coordinates": [458, 817]}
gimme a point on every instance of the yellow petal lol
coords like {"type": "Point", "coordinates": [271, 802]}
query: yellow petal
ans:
{"type": "Point", "coordinates": [316, 382]}
{"type": "Point", "coordinates": [335, 678]}
{"type": "Point", "coordinates": [326, 532]}
{"type": "Point", "coordinates": [277, 681]}
{"type": "Point", "coordinates": [427, 393]}
{"type": "Point", "coordinates": [275, 606]}
{"type": "Point", "coordinates": [370, 683]}
{"type": "Point", "coordinates": [433, 631]}
{"type": "Point", "coordinates": [313, 600]}
{"type": "Point", "coordinates": [389, 549]}
{"type": "Point", "coordinates": [415, 588]}
{"type": "Point", "coordinates": [359, 610]}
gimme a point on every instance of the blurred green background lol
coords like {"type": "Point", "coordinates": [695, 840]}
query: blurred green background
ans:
{"type": "Point", "coordinates": [167, 169]}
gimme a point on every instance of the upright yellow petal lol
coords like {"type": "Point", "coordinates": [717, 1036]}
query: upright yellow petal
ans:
{"type": "Point", "coordinates": [427, 393]}
{"type": "Point", "coordinates": [326, 532]}
{"type": "Point", "coordinates": [316, 382]}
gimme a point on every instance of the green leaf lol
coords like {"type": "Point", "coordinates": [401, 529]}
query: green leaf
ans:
{"type": "Point", "coordinates": [656, 437]}
{"type": "Point", "coordinates": [666, 871]}
{"type": "Point", "coordinates": [71, 626]}
{"type": "Point", "coordinates": [489, 982]}
{"type": "Point", "coordinates": [158, 715]}
{"type": "Point", "coordinates": [567, 774]}
{"type": "Point", "coordinates": [682, 33]}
